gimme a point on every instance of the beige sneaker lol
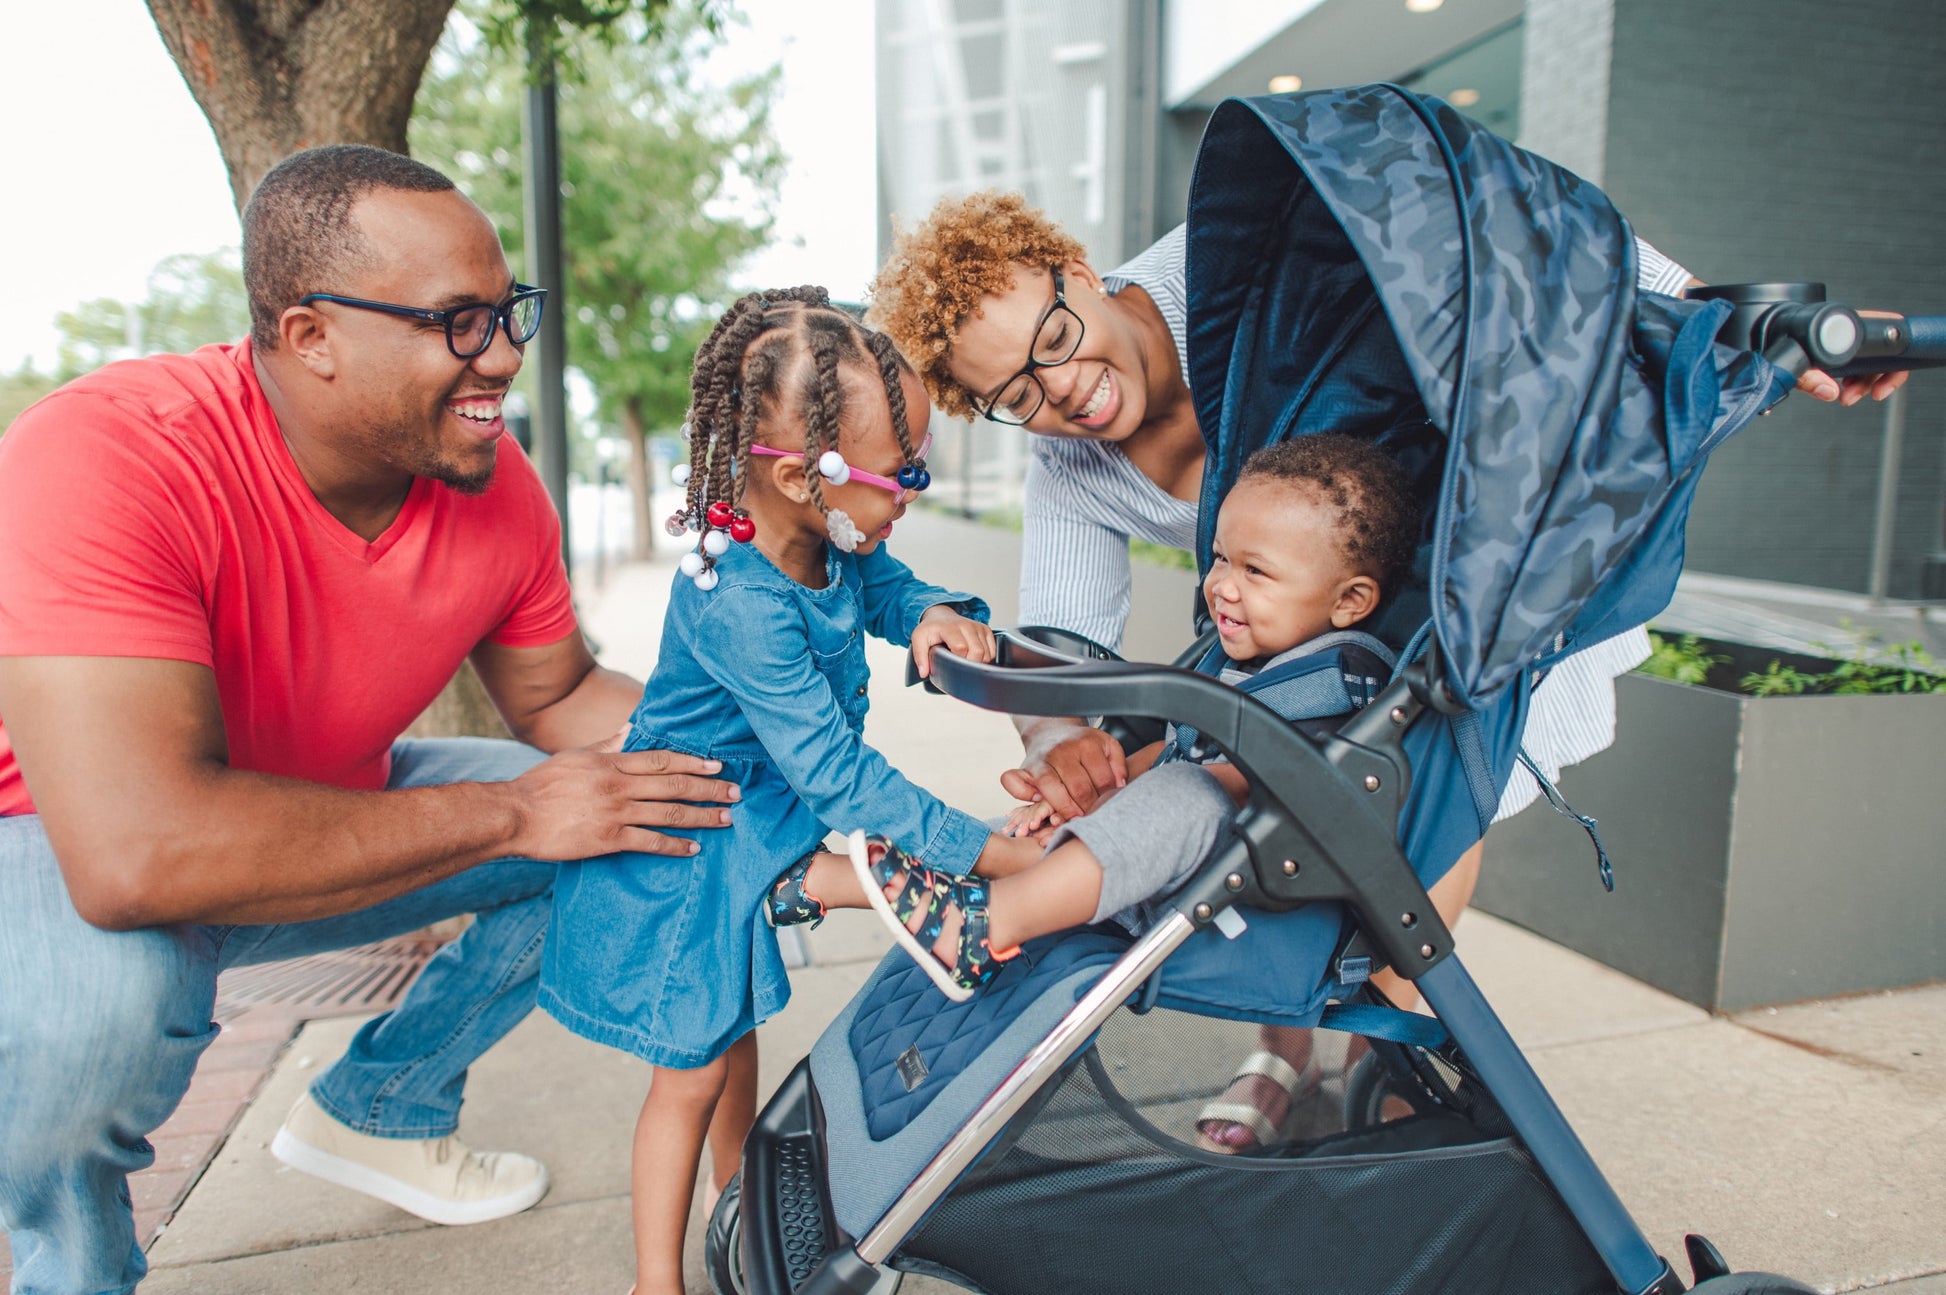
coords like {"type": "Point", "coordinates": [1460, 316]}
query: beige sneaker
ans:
{"type": "Point", "coordinates": [436, 1178]}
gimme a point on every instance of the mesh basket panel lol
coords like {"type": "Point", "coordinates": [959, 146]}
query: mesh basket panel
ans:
{"type": "Point", "coordinates": [1096, 1191]}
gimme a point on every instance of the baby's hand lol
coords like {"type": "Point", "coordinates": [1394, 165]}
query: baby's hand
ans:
{"type": "Point", "coordinates": [1033, 820]}
{"type": "Point", "coordinates": [941, 626]}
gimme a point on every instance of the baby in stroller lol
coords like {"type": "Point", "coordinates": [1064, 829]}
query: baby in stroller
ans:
{"type": "Point", "coordinates": [1306, 544]}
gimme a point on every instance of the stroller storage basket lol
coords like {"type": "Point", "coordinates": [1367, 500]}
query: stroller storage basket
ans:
{"type": "Point", "coordinates": [1087, 1195]}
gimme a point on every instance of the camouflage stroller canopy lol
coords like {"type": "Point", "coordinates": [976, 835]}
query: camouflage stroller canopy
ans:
{"type": "Point", "coordinates": [1367, 260]}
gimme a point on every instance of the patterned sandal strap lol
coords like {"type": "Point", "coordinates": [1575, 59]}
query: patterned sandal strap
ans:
{"type": "Point", "coordinates": [893, 862]}
{"type": "Point", "coordinates": [919, 893]}
{"type": "Point", "coordinates": [976, 959]}
{"type": "Point", "coordinates": [923, 890]}
{"type": "Point", "coordinates": [788, 903]}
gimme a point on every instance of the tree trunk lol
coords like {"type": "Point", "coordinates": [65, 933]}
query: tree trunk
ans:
{"type": "Point", "coordinates": [641, 491]}
{"type": "Point", "coordinates": [276, 76]}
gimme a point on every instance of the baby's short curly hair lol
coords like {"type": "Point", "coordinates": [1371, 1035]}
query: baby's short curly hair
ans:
{"type": "Point", "coordinates": [1378, 519]}
{"type": "Point", "coordinates": [939, 271]}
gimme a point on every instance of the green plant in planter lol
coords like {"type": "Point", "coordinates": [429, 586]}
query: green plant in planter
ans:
{"type": "Point", "coordinates": [1683, 660]}
{"type": "Point", "coordinates": [1867, 666]}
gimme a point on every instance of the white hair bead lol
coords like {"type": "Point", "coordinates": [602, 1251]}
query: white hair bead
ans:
{"type": "Point", "coordinates": [680, 474]}
{"type": "Point", "coordinates": [833, 468]}
{"type": "Point", "coordinates": [692, 564]}
{"type": "Point", "coordinates": [706, 580]}
{"type": "Point", "coordinates": [714, 542]}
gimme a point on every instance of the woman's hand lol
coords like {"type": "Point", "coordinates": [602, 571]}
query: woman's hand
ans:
{"type": "Point", "coordinates": [1067, 765]}
{"type": "Point", "coordinates": [941, 626]}
{"type": "Point", "coordinates": [1820, 385]}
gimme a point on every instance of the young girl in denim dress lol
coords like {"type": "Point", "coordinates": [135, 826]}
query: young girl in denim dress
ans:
{"type": "Point", "coordinates": [796, 409]}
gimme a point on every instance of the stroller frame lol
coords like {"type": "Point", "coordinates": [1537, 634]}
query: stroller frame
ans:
{"type": "Point", "coordinates": [1346, 851]}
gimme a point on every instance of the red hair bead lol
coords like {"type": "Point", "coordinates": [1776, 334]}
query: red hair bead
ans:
{"type": "Point", "coordinates": [742, 529]}
{"type": "Point", "coordinates": [719, 514]}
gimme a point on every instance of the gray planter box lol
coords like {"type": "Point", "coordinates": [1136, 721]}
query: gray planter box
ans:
{"type": "Point", "coordinates": [1766, 849]}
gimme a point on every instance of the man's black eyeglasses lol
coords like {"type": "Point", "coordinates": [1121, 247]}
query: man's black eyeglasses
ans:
{"type": "Point", "coordinates": [469, 328]}
{"type": "Point", "coordinates": [1056, 338]}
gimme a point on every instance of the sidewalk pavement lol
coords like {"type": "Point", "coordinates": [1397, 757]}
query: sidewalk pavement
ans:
{"type": "Point", "coordinates": [1808, 1140]}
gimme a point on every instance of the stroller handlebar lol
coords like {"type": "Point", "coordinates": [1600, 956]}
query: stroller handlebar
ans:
{"type": "Point", "coordinates": [1912, 341]}
{"type": "Point", "coordinates": [1794, 327]}
{"type": "Point", "coordinates": [1350, 787]}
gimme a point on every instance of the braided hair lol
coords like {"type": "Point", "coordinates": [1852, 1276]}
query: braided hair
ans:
{"type": "Point", "coordinates": [740, 370]}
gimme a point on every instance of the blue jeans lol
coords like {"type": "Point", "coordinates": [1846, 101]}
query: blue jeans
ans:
{"type": "Point", "coordinates": [100, 1030]}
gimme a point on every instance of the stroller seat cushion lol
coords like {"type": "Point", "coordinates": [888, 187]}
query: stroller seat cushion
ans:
{"type": "Point", "coordinates": [909, 1044]}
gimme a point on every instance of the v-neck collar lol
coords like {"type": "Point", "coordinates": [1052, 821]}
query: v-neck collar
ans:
{"type": "Point", "coordinates": [278, 451]}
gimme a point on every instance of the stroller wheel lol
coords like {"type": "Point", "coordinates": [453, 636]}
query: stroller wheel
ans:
{"type": "Point", "coordinates": [1752, 1284]}
{"type": "Point", "coordinates": [1367, 1085]}
{"type": "Point", "coordinates": [723, 1241]}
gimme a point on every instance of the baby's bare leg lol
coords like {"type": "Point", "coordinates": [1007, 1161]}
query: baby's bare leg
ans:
{"type": "Point", "coordinates": [1062, 890]}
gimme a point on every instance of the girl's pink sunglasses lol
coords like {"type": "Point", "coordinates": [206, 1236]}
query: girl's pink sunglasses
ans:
{"type": "Point", "coordinates": [832, 467]}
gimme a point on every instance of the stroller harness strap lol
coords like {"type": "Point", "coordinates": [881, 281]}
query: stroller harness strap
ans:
{"type": "Point", "coordinates": [1317, 680]}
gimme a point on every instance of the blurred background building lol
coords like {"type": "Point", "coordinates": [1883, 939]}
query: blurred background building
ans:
{"type": "Point", "coordinates": [1750, 139]}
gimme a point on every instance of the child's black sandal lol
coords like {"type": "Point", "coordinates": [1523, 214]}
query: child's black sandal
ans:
{"type": "Point", "coordinates": [787, 903]}
{"type": "Point", "coordinates": [921, 888]}
{"type": "Point", "coordinates": [975, 961]}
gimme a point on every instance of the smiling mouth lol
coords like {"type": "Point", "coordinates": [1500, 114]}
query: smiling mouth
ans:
{"type": "Point", "coordinates": [483, 412]}
{"type": "Point", "coordinates": [1097, 400]}
{"type": "Point", "coordinates": [1228, 625]}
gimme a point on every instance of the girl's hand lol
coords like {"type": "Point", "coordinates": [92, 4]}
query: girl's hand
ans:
{"type": "Point", "coordinates": [1068, 765]}
{"type": "Point", "coordinates": [941, 626]}
{"type": "Point", "coordinates": [1031, 820]}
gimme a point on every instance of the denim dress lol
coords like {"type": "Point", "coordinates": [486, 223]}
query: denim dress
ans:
{"type": "Point", "coordinates": [670, 958]}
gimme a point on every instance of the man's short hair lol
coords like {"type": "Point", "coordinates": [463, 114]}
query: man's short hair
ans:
{"type": "Point", "coordinates": [298, 236]}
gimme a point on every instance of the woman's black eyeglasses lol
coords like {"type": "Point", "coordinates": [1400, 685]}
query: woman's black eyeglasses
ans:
{"type": "Point", "coordinates": [1056, 338]}
{"type": "Point", "coordinates": [469, 328]}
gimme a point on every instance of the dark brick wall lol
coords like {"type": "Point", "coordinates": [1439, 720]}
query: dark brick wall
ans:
{"type": "Point", "coordinates": [1797, 139]}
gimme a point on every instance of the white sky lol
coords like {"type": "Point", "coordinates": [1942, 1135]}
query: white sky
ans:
{"type": "Point", "coordinates": [109, 165]}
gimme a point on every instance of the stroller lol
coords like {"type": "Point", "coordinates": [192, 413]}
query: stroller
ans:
{"type": "Point", "coordinates": [1362, 260]}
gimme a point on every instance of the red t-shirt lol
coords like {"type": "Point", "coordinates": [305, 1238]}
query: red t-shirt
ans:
{"type": "Point", "coordinates": [152, 509]}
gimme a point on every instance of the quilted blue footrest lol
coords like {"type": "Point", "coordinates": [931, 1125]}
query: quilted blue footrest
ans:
{"type": "Point", "coordinates": [910, 1041]}
{"type": "Point", "coordinates": [902, 1067]}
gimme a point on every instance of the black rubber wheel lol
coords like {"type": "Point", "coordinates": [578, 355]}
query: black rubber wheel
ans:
{"type": "Point", "coordinates": [723, 1241]}
{"type": "Point", "coordinates": [1367, 1084]}
{"type": "Point", "coordinates": [1752, 1284]}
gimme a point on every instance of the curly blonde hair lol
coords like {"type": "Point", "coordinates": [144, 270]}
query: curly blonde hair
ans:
{"type": "Point", "coordinates": [939, 271]}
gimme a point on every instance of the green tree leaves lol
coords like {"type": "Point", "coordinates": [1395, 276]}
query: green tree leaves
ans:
{"type": "Point", "coordinates": [193, 300]}
{"type": "Point", "coordinates": [669, 180]}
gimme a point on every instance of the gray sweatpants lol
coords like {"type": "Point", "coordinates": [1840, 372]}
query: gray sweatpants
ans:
{"type": "Point", "coordinates": [1150, 836]}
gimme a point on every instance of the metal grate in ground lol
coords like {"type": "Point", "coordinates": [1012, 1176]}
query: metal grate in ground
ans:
{"type": "Point", "coordinates": [343, 982]}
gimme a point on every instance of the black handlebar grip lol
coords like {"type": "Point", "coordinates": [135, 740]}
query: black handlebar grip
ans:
{"type": "Point", "coordinates": [1912, 342]}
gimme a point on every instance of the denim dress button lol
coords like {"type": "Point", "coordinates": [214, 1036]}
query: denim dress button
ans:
{"type": "Point", "coordinates": [861, 690]}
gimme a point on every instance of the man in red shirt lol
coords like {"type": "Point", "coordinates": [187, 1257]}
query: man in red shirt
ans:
{"type": "Point", "coordinates": [228, 581]}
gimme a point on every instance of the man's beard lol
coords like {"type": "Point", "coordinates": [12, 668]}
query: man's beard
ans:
{"type": "Point", "coordinates": [408, 452]}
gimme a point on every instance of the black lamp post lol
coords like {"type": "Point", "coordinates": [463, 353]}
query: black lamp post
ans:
{"type": "Point", "coordinates": [540, 141]}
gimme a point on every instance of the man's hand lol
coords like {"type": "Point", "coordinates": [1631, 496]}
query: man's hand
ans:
{"type": "Point", "coordinates": [941, 626]}
{"type": "Point", "coordinates": [1068, 765]}
{"type": "Point", "coordinates": [601, 799]}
